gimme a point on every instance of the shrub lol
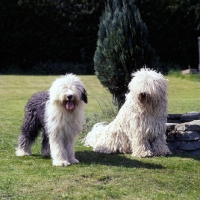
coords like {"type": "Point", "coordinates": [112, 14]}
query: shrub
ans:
{"type": "Point", "coordinates": [122, 47]}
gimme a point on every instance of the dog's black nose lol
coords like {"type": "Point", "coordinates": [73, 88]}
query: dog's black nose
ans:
{"type": "Point", "coordinates": [69, 97]}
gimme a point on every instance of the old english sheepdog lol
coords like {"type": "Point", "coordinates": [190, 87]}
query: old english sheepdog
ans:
{"type": "Point", "coordinates": [60, 113]}
{"type": "Point", "coordinates": [140, 126]}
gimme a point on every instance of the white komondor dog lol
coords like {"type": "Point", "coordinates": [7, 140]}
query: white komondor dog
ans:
{"type": "Point", "coordinates": [60, 113]}
{"type": "Point", "coordinates": [140, 125]}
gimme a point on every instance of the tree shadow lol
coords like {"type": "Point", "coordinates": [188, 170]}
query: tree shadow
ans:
{"type": "Point", "coordinates": [90, 157]}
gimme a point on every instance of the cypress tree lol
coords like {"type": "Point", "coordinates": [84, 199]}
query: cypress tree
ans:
{"type": "Point", "coordinates": [122, 47]}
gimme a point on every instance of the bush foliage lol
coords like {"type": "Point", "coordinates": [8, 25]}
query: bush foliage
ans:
{"type": "Point", "coordinates": [122, 47]}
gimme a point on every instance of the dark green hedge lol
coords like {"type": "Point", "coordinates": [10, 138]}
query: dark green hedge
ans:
{"type": "Point", "coordinates": [174, 26]}
{"type": "Point", "coordinates": [34, 32]}
{"type": "Point", "coordinates": [61, 31]}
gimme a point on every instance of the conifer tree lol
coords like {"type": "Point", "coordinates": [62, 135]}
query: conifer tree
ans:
{"type": "Point", "coordinates": [122, 47]}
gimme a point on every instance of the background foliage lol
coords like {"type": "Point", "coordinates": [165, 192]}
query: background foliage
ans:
{"type": "Point", "coordinates": [36, 31]}
{"type": "Point", "coordinates": [174, 26]}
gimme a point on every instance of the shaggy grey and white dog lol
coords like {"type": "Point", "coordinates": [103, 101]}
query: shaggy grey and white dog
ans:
{"type": "Point", "coordinates": [140, 125]}
{"type": "Point", "coordinates": [60, 113]}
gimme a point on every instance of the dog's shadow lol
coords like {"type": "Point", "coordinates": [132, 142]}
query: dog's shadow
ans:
{"type": "Point", "coordinates": [90, 157]}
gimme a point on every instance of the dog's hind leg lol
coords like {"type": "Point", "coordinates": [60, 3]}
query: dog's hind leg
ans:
{"type": "Point", "coordinates": [30, 131]}
{"type": "Point", "coordinates": [45, 145]}
{"type": "Point", "coordinates": [24, 146]}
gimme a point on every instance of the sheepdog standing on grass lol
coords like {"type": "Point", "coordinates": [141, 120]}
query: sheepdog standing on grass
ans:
{"type": "Point", "coordinates": [60, 113]}
{"type": "Point", "coordinates": [140, 125]}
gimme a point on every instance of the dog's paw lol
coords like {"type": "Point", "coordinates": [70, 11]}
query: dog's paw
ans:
{"type": "Point", "coordinates": [21, 152]}
{"type": "Point", "coordinates": [74, 161]}
{"type": "Point", "coordinates": [142, 154]}
{"type": "Point", "coordinates": [163, 152]}
{"type": "Point", "coordinates": [61, 163]}
{"type": "Point", "coordinates": [161, 149]}
{"type": "Point", "coordinates": [104, 150]}
{"type": "Point", "coordinates": [46, 154]}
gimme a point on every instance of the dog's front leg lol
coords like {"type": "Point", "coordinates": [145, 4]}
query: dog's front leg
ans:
{"type": "Point", "coordinates": [141, 148]}
{"type": "Point", "coordinates": [70, 151]}
{"type": "Point", "coordinates": [160, 147]}
{"type": "Point", "coordinates": [58, 152]}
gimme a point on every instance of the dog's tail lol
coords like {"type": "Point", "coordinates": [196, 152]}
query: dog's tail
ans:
{"type": "Point", "coordinates": [92, 137]}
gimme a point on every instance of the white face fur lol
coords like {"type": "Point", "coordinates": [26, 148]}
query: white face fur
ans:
{"type": "Point", "coordinates": [70, 100]}
{"type": "Point", "coordinates": [148, 87]}
{"type": "Point", "coordinates": [68, 91]}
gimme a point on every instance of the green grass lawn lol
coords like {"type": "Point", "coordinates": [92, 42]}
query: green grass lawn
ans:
{"type": "Point", "coordinates": [97, 176]}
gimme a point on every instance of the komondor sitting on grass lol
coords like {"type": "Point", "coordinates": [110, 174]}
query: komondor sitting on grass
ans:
{"type": "Point", "coordinates": [140, 125]}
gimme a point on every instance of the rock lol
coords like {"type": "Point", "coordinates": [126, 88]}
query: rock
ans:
{"type": "Point", "coordinates": [173, 118]}
{"type": "Point", "coordinates": [171, 126]}
{"type": "Point", "coordinates": [189, 71]}
{"type": "Point", "coordinates": [187, 135]}
{"type": "Point", "coordinates": [172, 146]}
{"type": "Point", "coordinates": [188, 146]}
{"type": "Point", "coordinates": [188, 117]}
{"type": "Point", "coordinates": [189, 126]}
{"type": "Point", "coordinates": [183, 133]}
{"type": "Point", "coordinates": [171, 136]}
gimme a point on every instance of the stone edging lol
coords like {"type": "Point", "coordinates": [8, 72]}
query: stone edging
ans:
{"type": "Point", "coordinates": [183, 133]}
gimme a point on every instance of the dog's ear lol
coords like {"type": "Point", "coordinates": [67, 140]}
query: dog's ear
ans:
{"type": "Point", "coordinates": [84, 96]}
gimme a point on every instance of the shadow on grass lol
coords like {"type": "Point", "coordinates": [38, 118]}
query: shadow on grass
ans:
{"type": "Point", "coordinates": [40, 157]}
{"type": "Point", "coordinates": [186, 155]}
{"type": "Point", "coordinates": [90, 157]}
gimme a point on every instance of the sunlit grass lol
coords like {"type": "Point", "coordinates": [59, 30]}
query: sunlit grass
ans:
{"type": "Point", "coordinates": [97, 176]}
{"type": "Point", "coordinates": [183, 95]}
